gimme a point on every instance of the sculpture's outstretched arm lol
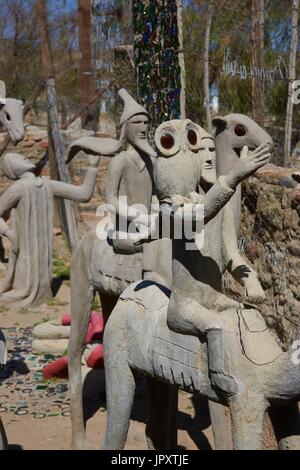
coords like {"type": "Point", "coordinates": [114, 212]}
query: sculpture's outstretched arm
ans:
{"type": "Point", "coordinates": [82, 193]}
{"type": "Point", "coordinates": [192, 208]}
{"type": "Point", "coordinates": [236, 265]}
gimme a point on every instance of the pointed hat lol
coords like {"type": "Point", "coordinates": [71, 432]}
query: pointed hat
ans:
{"type": "Point", "coordinates": [131, 107]}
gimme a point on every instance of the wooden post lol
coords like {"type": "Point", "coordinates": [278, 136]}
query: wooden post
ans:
{"type": "Point", "coordinates": [58, 168]}
{"type": "Point", "coordinates": [206, 67]}
{"type": "Point", "coordinates": [292, 78]}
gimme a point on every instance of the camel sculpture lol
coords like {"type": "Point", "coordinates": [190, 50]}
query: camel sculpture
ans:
{"type": "Point", "coordinates": [137, 338]}
{"type": "Point", "coordinates": [86, 280]}
{"type": "Point", "coordinates": [143, 334]}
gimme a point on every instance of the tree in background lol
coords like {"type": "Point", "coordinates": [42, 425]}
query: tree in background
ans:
{"type": "Point", "coordinates": [206, 65]}
{"type": "Point", "coordinates": [292, 78]}
{"type": "Point", "coordinates": [157, 56]}
{"type": "Point", "coordinates": [58, 168]}
{"type": "Point", "coordinates": [257, 59]}
{"type": "Point", "coordinates": [87, 82]}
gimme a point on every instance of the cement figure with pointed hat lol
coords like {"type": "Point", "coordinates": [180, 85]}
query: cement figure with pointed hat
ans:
{"type": "Point", "coordinates": [111, 264]}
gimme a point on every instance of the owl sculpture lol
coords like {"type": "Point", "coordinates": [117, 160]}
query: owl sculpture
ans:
{"type": "Point", "coordinates": [186, 155]}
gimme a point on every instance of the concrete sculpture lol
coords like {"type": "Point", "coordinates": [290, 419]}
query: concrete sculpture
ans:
{"type": "Point", "coordinates": [111, 264]}
{"type": "Point", "coordinates": [186, 149]}
{"type": "Point", "coordinates": [11, 115]}
{"type": "Point", "coordinates": [242, 367]}
{"type": "Point", "coordinates": [232, 133]}
{"type": "Point", "coordinates": [30, 203]}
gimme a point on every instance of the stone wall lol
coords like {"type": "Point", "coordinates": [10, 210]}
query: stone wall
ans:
{"type": "Point", "coordinates": [271, 241]}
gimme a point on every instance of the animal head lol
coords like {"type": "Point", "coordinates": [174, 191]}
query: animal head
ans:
{"type": "Point", "coordinates": [185, 153]}
{"type": "Point", "coordinates": [11, 116]}
{"type": "Point", "coordinates": [233, 132]}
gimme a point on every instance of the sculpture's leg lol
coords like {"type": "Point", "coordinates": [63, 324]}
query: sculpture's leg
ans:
{"type": "Point", "coordinates": [161, 429]}
{"type": "Point", "coordinates": [286, 425]}
{"type": "Point", "coordinates": [82, 295]}
{"type": "Point", "coordinates": [247, 416]}
{"type": "Point", "coordinates": [120, 381]}
{"type": "Point", "coordinates": [3, 438]}
{"type": "Point", "coordinates": [220, 426]}
{"type": "Point", "coordinates": [108, 303]}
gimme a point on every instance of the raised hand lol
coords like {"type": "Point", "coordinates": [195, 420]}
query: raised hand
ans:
{"type": "Point", "coordinates": [248, 163]}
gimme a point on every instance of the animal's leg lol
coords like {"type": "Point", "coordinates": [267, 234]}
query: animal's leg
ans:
{"type": "Point", "coordinates": [161, 429]}
{"type": "Point", "coordinates": [247, 416]}
{"type": "Point", "coordinates": [108, 303]}
{"type": "Point", "coordinates": [3, 438]}
{"type": "Point", "coordinates": [120, 382]}
{"type": "Point", "coordinates": [82, 295]}
{"type": "Point", "coordinates": [286, 424]}
{"type": "Point", "coordinates": [220, 426]}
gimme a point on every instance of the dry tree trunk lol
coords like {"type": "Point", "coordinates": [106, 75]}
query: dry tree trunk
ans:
{"type": "Point", "coordinates": [87, 83]}
{"type": "Point", "coordinates": [127, 22]}
{"type": "Point", "coordinates": [206, 66]}
{"type": "Point", "coordinates": [58, 168]}
{"type": "Point", "coordinates": [292, 78]}
{"type": "Point", "coordinates": [257, 52]}
{"type": "Point", "coordinates": [181, 59]}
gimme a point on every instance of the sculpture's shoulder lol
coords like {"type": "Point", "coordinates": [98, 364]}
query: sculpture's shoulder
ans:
{"type": "Point", "coordinates": [119, 162]}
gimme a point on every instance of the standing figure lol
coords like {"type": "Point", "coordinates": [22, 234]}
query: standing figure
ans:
{"type": "Point", "coordinates": [29, 200]}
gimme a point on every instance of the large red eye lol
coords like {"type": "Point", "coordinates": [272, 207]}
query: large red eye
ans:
{"type": "Point", "coordinates": [167, 141]}
{"type": "Point", "coordinates": [192, 137]}
{"type": "Point", "coordinates": [240, 130]}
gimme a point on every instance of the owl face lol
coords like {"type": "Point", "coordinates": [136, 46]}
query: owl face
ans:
{"type": "Point", "coordinates": [185, 155]}
{"type": "Point", "coordinates": [176, 136]}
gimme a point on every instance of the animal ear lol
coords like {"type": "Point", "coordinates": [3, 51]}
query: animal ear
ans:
{"type": "Point", "coordinates": [220, 124]}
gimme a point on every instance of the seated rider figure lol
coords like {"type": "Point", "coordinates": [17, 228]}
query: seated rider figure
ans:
{"type": "Point", "coordinates": [196, 299]}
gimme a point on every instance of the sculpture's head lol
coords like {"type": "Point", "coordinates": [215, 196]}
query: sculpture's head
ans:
{"type": "Point", "coordinates": [207, 155]}
{"type": "Point", "coordinates": [11, 116]}
{"type": "Point", "coordinates": [186, 153]}
{"type": "Point", "coordinates": [234, 131]}
{"type": "Point", "coordinates": [134, 124]}
{"type": "Point", "coordinates": [15, 165]}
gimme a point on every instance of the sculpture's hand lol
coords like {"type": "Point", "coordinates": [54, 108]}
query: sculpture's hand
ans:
{"type": "Point", "coordinates": [142, 221]}
{"type": "Point", "coordinates": [146, 225]}
{"type": "Point", "coordinates": [248, 163]}
{"type": "Point", "coordinates": [254, 293]}
{"type": "Point", "coordinates": [94, 160]}
{"type": "Point", "coordinates": [10, 234]}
